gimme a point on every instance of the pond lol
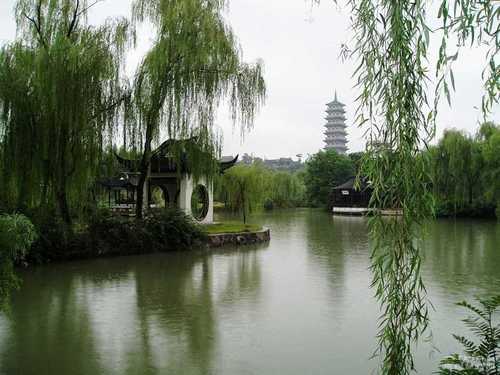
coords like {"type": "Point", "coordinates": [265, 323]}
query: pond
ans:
{"type": "Point", "coordinates": [299, 305]}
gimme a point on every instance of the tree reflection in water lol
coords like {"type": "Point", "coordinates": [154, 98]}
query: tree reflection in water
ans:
{"type": "Point", "coordinates": [49, 322]}
{"type": "Point", "coordinates": [462, 258]}
{"type": "Point", "coordinates": [148, 315]}
{"type": "Point", "coordinates": [302, 306]}
{"type": "Point", "coordinates": [335, 240]}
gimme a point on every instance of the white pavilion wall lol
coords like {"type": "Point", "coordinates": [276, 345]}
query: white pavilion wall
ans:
{"type": "Point", "coordinates": [187, 186]}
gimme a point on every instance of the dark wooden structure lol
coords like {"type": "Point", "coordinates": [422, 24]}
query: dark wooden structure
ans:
{"type": "Point", "coordinates": [348, 196]}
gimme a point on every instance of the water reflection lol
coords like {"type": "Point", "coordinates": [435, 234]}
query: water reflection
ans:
{"type": "Point", "coordinates": [301, 306]}
{"type": "Point", "coordinates": [147, 315]}
{"type": "Point", "coordinates": [46, 321]}
{"type": "Point", "coordinates": [462, 258]}
{"type": "Point", "coordinates": [332, 240]}
{"type": "Point", "coordinates": [243, 281]}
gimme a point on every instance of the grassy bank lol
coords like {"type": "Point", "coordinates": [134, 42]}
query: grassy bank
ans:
{"type": "Point", "coordinates": [230, 227]}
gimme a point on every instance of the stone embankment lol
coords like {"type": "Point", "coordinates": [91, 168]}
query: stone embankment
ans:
{"type": "Point", "coordinates": [243, 238]}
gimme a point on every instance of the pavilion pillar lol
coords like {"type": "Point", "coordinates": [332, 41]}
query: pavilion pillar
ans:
{"type": "Point", "coordinates": [145, 195]}
{"type": "Point", "coordinates": [185, 193]}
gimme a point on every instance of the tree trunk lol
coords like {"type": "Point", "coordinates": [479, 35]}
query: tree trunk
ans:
{"type": "Point", "coordinates": [144, 172]}
{"type": "Point", "coordinates": [139, 205]}
{"type": "Point", "coordinates": [471, 191]}
{"type": "Point", "coordinates": [62, 203]}
{"type": "Point", "coordinates": [61, 193]}
{"type": "Point", "coordinates": [22, 198]}
{"type": "Point", "coordinates": [243, 201]}
{"type": "Point", "coordinates": [244, 215]}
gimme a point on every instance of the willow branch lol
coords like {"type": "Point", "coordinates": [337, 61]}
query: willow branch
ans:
{"type": "Point", "coordinates": [90, 6]}
{"type": "Point", "coordinates": [39, 15]}
{"type": "Point", "coordinates": [74, 20]}
{"type": "Point", "coordinates": [110, 107]}
{"type": "Point", "coordinates": [38, 30]}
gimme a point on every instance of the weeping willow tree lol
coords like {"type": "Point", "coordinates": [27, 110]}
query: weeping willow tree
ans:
{"type": "Point", "coordinates": [391, 47]}
{"type": "Point", "coordinates": [194, 64]}
{"type": "Point", "coordinates": [245, 188]}
{"type": "Point", "coordinates": [457, 169]}
{"type": "Point", "coordinates": [60, 90]}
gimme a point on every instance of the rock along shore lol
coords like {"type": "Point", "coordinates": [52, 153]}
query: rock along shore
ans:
{"type": "Point", "coordinates": [243, 238]}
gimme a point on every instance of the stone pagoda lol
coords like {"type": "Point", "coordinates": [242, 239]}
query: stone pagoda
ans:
{"type": "Point", "coordinates": [336, 135]}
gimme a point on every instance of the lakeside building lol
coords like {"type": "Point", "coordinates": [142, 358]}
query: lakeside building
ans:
{"type": "Point", "coordinates": [351, 200]}
{"type": "Point", "coordinates": [168, 184]}
{"type": "Point", "coordinates": [336, 134]}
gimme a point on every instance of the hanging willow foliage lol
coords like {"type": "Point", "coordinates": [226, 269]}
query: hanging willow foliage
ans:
{"type": "Point", "coordinates": [60, 90]}
{"type": "Point", "coordinates": [194, 64]}
{"type": "Point", "coordinates": [475, 23]}
{"type": "Point", "coordinates": [391, 45]}
{"type": "Point", "coordinates": [392, 39]}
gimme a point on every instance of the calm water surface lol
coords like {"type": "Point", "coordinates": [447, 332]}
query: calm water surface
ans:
{"type": "Point", "coordinates": [300, 305]}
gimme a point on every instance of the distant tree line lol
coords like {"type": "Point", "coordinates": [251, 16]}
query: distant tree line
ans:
{"type": "Point", "coordinates": [281, 164]}
{"type": "Point", "coordinates": [323, 172]}
{"type": "Point", "coordinates": [252, 186]}
{"type": "Point", "coordinates": [466, 172]}
{"type": "Point", "coordinates": [247, 188]}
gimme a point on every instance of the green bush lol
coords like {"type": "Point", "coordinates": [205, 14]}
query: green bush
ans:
{"type": "Point", "coordinates": [478, 209]}
{"type": "Point", "coordinates": [17, 233]}
{"type": "Point", "coordinates": [109, 235]}
{"type": "Point", "coordinates": [268, 204]}
{"type": "Point", "coordinates": [162, 231]}
{"type": "Point", "coordinates": [53, 237]}
{"type": "Point", "coordinates": [173, 230]}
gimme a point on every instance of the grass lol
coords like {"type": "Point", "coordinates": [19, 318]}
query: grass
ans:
{"type": "Point", "coordinates": [220, 228]}
{"type": "Point", "coordinates": [219, 206]}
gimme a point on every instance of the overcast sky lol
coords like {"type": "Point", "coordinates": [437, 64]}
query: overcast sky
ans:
{"type": "Point", "coordinates": [300, 47]}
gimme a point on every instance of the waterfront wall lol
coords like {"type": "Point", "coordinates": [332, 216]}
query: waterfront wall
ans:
{"type": "Point", "coordinates": [244, 238]}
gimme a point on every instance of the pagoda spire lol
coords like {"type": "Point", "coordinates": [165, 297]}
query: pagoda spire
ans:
{"type": "Point", "coordinates": [335, 128]}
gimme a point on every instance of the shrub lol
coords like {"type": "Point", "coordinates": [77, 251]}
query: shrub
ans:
{"type": "Point", "coordinates": [173, 229]}
{"type": "Point", "coordinates": [165, 230]}
{"type": "Point", "coordinates": [17, 233]}
{"type": "Point", "coordinates": [478, 209]}
{"type": "Point", "coordinates": [109, 235]}
{"type": "Point", "coordinates": [482, 358]}
{"type": "Point", "coordinates": [268, 204]}
{"type": "Point", "coordinates": [53, 237]}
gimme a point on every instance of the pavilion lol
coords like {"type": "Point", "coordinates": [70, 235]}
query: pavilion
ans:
{"type": "Point", "coordinates": [169, 184]}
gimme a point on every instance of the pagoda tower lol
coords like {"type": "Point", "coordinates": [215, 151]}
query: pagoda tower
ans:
{"type": "Point", "coordinates": [336, 135]}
